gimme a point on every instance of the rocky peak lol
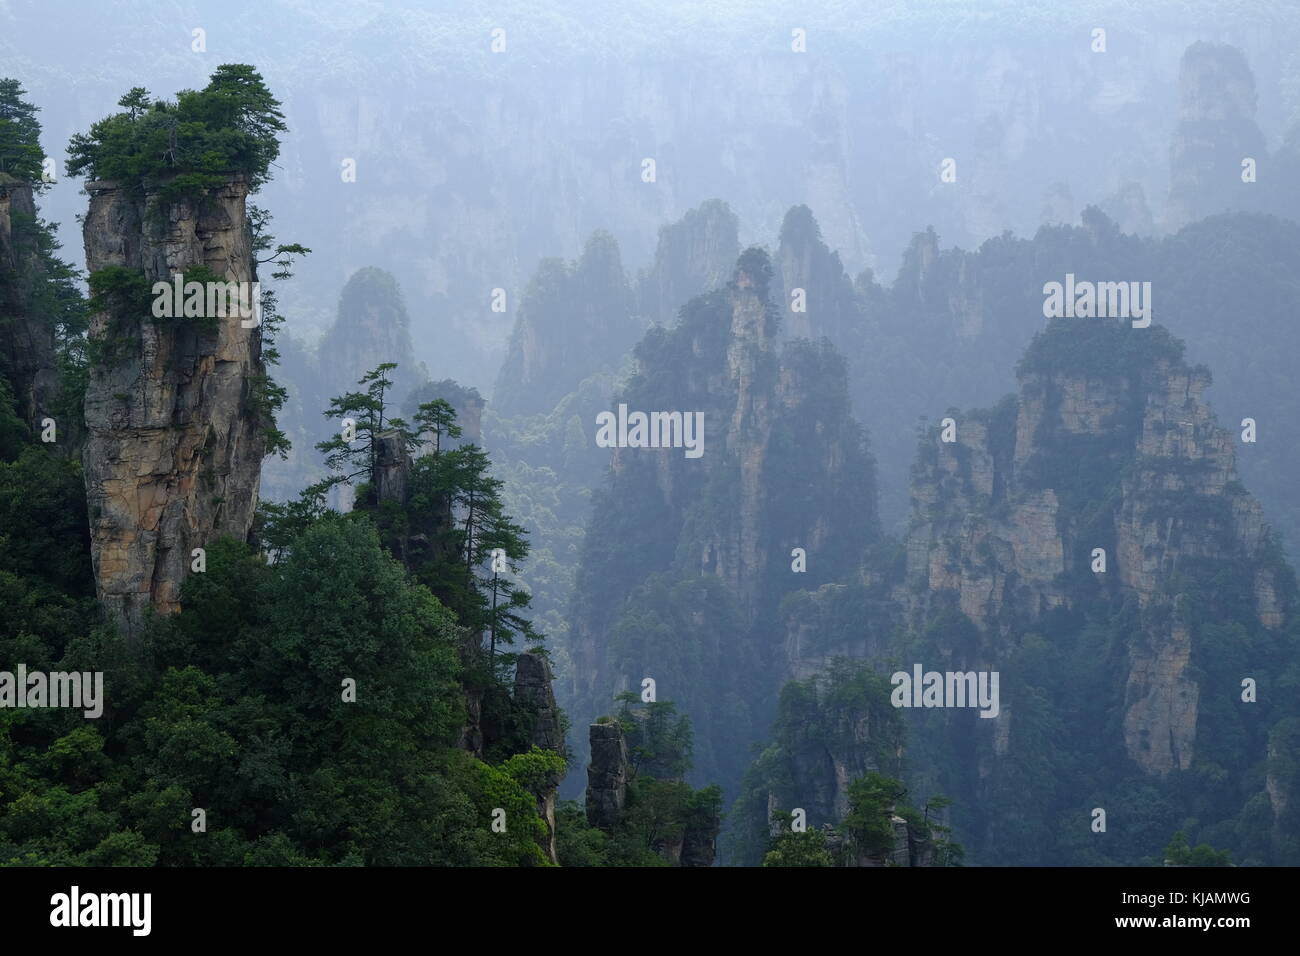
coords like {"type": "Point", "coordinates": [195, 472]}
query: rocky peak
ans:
{"type": "Point", "coordinates": [574, 319]}
{"type": "Point", "coordinates": [371, 327]}
{"type": "Point", "coordinates": [392, 467]}
{"type": "Point", "coordinates": [533, 692]}
{"type": "Point", "coordinates": [1215, 84]}
{"type": "Point", "coordinates": [1109, 447]}
{"type": "Point", "coordinates": [731, 382]}
{"type": "Point", "coordinates": [606, 776]}
{"type": "Point", "coordinates": [173, 456]}
{"type": "Point", "coordinates": [909, 847]}
{"type": "Point", "coordinates": [1216, 131]}
{"type": "Point", "coordinates": [723, 526]}
{"type": "Point", "coordinates": [993, 508]}
{"type": "Point", "coordinates": [609, 779]}
{"type": "Point", "coordinates": [694, 255]}
{"type": "Point", "coordinates": [833, 732]}
{"type": "Point", "coordinates": [804, 261]}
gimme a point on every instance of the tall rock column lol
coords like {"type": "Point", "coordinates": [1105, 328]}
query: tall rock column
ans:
{"type": "Point", "coordinates": [533, 691]}
{"type": "Point", "coordinates": [27, 355]}
{"type": "Point", "coordinates": [607, 776]}
{"type": "Point", "coordinates": [1216, 131]}
{"type": "Point", "coordinates": [174, 453]}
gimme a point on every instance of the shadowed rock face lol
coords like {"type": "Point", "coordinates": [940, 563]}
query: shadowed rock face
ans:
{"type": "Point", "coordinates": [607, 799]}
{"type": "Point", "coordinates": [533, 689]}
{"type": "Point", "coordinates": [607, 776]}
{"type": "Point", "coordinates": [776, 424]}
{"type": "Point", "coordinates": [910, 847]}
{"type": "Point", "coordinates": [26, 344]}
{"type": "Point", "coordinates": [392, 472]}
{"type": "Point", "coordinates": [173, 456]}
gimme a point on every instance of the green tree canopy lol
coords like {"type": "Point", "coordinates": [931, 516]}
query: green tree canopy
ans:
{"type": "Point", "coordinates": [190, 144]}
{"type": "Point", "coordinates": [20, 136]}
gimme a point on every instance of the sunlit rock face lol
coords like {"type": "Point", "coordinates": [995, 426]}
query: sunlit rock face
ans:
{"type": "Point", "coordinates": [174, 450]}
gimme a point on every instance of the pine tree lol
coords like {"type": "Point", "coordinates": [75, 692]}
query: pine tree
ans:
{"type": "Point", "coordinates": [21, 155]}
{"type": "Point", "coordinates": [354, 452]}
{"type": "Point", "coordinates": [437, 418]}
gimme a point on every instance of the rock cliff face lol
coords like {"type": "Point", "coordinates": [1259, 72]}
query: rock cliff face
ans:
{"type": "Point", "coordinates": [575, 319]}
{"type": "Point", "coordinates": [954, 323]}
{"type": "Point", "coordinates": [27, 357]}
{"type": "Point", "coordinates": [469, 415]}
{"type": "Point", "coordinates": [173, 457]}
{"type": "Point", "coordinates": [830, 735]}
{"type": "Point", "coordinates": [533, 692]}
{"type": "Point", "coordinates": [694, 255]}
{"type": "Point", "coordinates": [1006, 525]}
{"type": "Point", "coordinates": [1108, 455]}
{"type": "Point", "coordinates": [1216, 131]}
{"type": "Point", "coordinates": [759, 405]}
{"type": "Point", "coordinates": [606, 776]}
{"type": "Point", "coordinates": [832, 730]}
{"type": "Point", "coordinates": [392, 472]}
{"type": "Point", "coordinates": [909, 847]}
{"type": "Point", "coordinates": [1281, 785]}
{"type": "Point", "coordinates": [782, 467]}
{"type": "Point", "coordinates": [372, 327]}
{"type": "Point", "coordinates": [608, 797]}
{"type": "Point", "coordinates": [804, 262]}
{"type": "Point", "coordinates": [1115, 676]}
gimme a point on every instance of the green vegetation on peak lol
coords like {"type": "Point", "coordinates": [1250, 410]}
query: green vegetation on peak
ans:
{"type": "Point", "coordinates": [21, 156]}
{"type": "Point", "coordinates": [187, 145]}
{"type": "Point", "coordinates": [1099, 348]}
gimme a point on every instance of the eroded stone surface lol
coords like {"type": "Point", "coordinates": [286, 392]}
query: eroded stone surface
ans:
{"type": "Point", "coordinates": [174, 452]}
